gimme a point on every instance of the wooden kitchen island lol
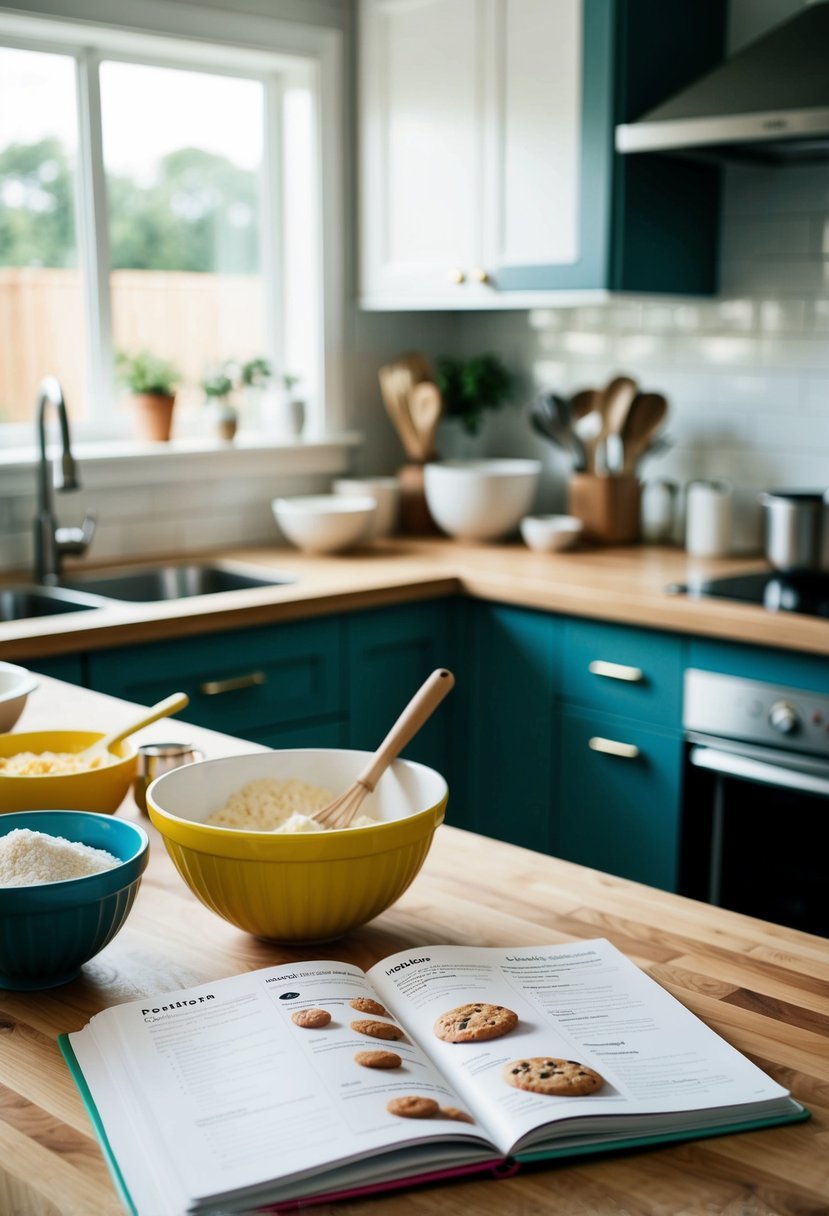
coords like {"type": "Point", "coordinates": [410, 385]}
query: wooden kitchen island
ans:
{"type": "Point", "coordinates": [763, 988]}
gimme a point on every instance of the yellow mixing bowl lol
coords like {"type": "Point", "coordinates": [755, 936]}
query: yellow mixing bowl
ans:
{"type": "Point", "coordinates": [98, 789]}
{"type": "Point", "coordinates": [302, 887]}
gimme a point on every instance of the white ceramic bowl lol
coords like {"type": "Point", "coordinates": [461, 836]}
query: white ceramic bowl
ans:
{"type": "Point", "coordinates": [386, 493]}
{"type": "Point", "coordinates": [551, 533]}
{"type": "Point", "coordinates": [480, 499]}
{"type": "Point", "coordinates": [15, 685]}
{"type": "Point", "coordinates": [324, 523]}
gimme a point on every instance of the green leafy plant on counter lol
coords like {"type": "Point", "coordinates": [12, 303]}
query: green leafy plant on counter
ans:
{"type": "Point", "coordinates": [146, 373]}
{"type": "Point", "coordinates": [471, 387]}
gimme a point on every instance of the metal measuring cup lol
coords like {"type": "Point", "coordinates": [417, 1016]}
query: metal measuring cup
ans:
{"type": "Point", "coordinates": [157, 758]}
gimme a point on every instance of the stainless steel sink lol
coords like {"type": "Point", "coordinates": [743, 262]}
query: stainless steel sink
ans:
{"type": "Point", "coordinates": [22, 603]}
{"type": "Point", "coordinates": [151, 583]}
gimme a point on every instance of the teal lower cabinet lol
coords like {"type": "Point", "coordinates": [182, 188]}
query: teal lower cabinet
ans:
{"type": "Point", "coordinates": [620, 794]}
{"type": "Point", "coordinates": [272, 685]}
{"type": "Point", "coordinates": [389, 652]}
{"type": "Point", "coordinates": [505, 755]}
{"type": "Point", "coordinates": [67, 667]}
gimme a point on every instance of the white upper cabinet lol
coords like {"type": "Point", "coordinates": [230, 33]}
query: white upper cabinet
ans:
{"type": "Point", "coordinates": [488, 177]}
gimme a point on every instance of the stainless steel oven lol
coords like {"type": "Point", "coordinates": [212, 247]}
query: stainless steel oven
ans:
{"type": "Point", "coordinates": [756, 799]}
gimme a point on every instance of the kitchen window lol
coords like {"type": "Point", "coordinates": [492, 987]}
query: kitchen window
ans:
{"type": "Point", "coordinates": [165, 195]}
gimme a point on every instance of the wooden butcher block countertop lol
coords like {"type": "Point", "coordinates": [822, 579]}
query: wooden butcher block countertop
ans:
{"type": "Point", "coordinates": [763, 988]}
{"type": "Point", "coordinates": [626, 584]}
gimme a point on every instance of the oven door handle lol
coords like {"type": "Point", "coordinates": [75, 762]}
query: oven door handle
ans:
{"type": "Point", "coordinates": [730, 765]}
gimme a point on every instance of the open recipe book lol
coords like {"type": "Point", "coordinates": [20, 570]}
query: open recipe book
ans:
{"type": "Point", "coordinates": [319, 1080]}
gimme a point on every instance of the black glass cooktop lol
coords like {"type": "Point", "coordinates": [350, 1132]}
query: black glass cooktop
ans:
{"type": "Point", "coordinates": [807, 594]}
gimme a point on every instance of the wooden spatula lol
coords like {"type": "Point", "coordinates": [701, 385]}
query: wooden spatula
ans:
{"type": "Point", "coordinates": [425, 410]}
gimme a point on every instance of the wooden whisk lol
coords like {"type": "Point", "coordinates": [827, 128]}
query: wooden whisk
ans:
{"type": "Point", "coordinates": [340, 812]}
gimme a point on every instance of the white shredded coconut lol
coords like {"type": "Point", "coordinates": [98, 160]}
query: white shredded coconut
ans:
{"type": "Point", "coordinates": [268, 805]}
{"type": "Point", "coordinates": [29, 858]}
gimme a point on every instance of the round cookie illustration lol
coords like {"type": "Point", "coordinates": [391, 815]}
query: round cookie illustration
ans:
{"type": "Point", "coordinates": [311, 1019]}
{"type": "Point", "coordinates": [364, 1004]}
{"type": "Point", "coordinates": [377, 1030]}
{"type": "Point", "coordinates": [551, 1076]}
{"type": "Point", "coordinates": [475, 1023]}
{"type": "Point", "coordinates": [378, 1059]}
{"type": "Point", "coordinates": [412, 1107]}
{"type": "Point", "coordinates": [452, 1112]}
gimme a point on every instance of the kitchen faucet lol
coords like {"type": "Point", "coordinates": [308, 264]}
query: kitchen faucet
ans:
{"type": "Point", "coordinates": [52, 542]}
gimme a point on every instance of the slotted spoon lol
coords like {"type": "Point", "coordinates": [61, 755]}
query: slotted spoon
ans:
{"type": "Point", "coordinates": [340, 812]}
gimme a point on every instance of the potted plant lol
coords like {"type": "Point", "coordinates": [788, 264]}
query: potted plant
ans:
{"type": "Point", "coordinates": [152, 383]}
{"type": "Point", "coordinates": [217, 386]}
{"type": "Point", "coordinates": [471, 387]}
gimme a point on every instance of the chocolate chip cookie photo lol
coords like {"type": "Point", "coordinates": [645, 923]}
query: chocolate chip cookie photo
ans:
{"type": "Point", "coordinates": [553, 1077]}
{"type": "Point", "coordinates": [311, 1019]}
{"type": "Point", "coordinates": [475, 1023]}
{"type": "Point", "coordinates": [377, 1030]}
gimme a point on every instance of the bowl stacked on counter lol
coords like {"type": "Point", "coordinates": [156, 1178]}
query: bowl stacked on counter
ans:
{"type": "Point", "coordinates": [300, 886]}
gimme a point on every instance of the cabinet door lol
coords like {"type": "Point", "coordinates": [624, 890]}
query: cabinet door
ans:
{"type": "Point", "coordinates": [68, 667]}
{"type": "Point", "coordinates": [507, 752]}
{"type": "Point", "coordinates": [422, 122]}
{"type": "Point", "coordinates": [244, 683]}
{"type": "Point", "coordinates": [390, 653]}
{"type": "Point", "coordinates": [620, 797]}
{"type": "Point", "coordinates": [542, 213]}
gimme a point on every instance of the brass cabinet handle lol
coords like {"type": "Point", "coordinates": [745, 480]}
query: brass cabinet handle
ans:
{"type": "Point", "coordinates": [213, 688]}
{"type": "Point", "coordinates": [480, 276]}
{"type": "Point", "coordinates": [611, 747]}
{"type": "Point", "coordinates": [616, 671]}
{"type": "Point", "coordinates": [457, 276]}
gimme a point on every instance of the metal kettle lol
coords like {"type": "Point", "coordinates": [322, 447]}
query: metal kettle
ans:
{"type": "Point", "coordinates": [796, 530]}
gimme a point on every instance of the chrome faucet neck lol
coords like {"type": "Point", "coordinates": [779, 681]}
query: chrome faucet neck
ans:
{"type": "Point", "coordinates": [50, 540]}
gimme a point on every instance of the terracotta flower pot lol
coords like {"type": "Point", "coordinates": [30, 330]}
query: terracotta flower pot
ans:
{"type": "Point", "coordinates": [153, 415]}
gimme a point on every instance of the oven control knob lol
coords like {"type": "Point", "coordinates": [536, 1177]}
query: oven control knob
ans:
{"type": "Point", "coordinates": [783, 717]}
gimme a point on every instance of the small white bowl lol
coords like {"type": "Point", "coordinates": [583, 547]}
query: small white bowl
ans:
{"type": "Point", "coordinates": [15, 685]}
{"type": "Point", "coordinates": [480, 499]}
{"type": "Point", "coordinates": [386, 492]}
{"type": "Point", "coordinates": [551, 533]}
{"type": "Point", "coordinates": [324, 523]}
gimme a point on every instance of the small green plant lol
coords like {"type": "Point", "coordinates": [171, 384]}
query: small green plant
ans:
{"type": "Point", "coordinates": [288, 381]}
{"type": "Point", "coordinates": [471, 387]}
{"type": "Point", "coordinates": [145, 372]}
{"type": "Point", "coordinates": [256, 373]}
{"type": "Point", "coordinates": [216, 385]}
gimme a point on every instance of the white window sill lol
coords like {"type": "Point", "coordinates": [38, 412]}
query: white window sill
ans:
{"type": "Point", "coordinates": [108, 465]}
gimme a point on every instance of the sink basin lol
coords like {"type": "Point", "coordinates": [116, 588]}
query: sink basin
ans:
{"type": "Point", "coordinates": [22, 603]}
{"type": "Point", "coordinates": [170, 582]}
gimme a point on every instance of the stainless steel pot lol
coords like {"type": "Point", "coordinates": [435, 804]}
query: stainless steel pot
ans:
{"type": "Point", "coordinates": [796, 530]}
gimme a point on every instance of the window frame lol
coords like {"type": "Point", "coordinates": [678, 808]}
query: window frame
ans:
{"type": "Point", "coordinates": [271, 50]}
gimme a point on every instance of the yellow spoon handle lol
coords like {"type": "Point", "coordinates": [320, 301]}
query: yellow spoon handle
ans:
{"type": "Point", "coordinates": [163, 709]}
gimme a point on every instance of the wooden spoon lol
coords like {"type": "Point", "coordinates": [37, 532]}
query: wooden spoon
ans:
{"type": "Point", "coordinates": [394, 388]}
{"type": "Point", "coordinates": [176, 701]}
{"type": "Point", "coordinates": [646, 415]}
{"type": "Point", "coordinates": [340, 812]}
{"type": "Point", "coordinates": [618, 398]}
{"type": "Point", "coordinates": [425, 410]}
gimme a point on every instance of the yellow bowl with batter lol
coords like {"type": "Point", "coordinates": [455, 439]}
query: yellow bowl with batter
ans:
{"type": "Point", "coordinates": [98, 789]}
{"type": "Point", "coordinates": [298, 887]}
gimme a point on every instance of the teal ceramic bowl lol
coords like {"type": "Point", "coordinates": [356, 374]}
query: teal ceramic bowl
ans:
{"type": "Point", "coordinates": [48, 931]}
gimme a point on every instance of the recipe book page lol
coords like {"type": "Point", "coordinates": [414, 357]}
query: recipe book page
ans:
{"type": "Point", "coordinates": [219, 1089]}
{"type": "Point", "coordinates": [584, 1003]}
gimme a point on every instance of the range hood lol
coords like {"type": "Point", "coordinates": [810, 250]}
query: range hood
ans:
{"type": "Point", "coordinates": [769, 102]}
